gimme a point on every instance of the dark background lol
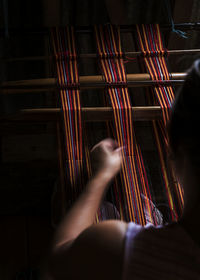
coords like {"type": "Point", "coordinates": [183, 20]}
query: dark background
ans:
{"type": "Point", "coordinates": [29, 172]}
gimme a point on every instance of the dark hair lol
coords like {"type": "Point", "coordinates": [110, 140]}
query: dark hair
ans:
{"type": "Point", "coordinates": [185, 116]}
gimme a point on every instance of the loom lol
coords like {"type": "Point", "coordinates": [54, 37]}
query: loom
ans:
{"type": "Point", "coordinates": [127, 190]}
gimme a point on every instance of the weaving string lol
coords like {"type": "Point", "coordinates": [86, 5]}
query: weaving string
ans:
{"type": "Point", "coordinates": [133, 175]}
{"type": "Point", "coordinates": [151, 44]}
{"type": "Point", "coordinates": [68, 82]}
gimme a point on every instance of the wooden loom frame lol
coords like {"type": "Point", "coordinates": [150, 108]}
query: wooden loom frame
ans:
{"type": "Point", "coordinates": [88, 82]}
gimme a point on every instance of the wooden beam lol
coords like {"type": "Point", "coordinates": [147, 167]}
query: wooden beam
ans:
{"type": "Point", "coordinates": [93, 56]}
{"type": "Point", "coordinates": [86, 82]}
{"type": "Point", "coordinates": [88, 29]}
{"type": "Point", "coordinates": [90, 114]}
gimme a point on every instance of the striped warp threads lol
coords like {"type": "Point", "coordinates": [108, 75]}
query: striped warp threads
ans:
{"type": "Point", "coordinates": [133, 175]}
{"type": "Point", "coordinates": [151, 44]}
{"type": "Point", "coordinates": [68, 82]}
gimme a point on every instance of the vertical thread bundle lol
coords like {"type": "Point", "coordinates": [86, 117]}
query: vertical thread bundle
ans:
{"type": "Point", "coordinates": [68, 82]}
{"type": "Point", "coordinates": [151, 44]}
{"type": "Point", "coordinates": [133, 176]}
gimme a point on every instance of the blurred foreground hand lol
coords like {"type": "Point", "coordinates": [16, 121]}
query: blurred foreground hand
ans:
{"type": "Point", "coordinates": [106, 158]}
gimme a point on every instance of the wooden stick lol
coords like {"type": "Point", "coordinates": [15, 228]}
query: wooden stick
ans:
{"type": "Point", "coordinates": [86, 82]}
{"type": "Point", "coordinates": [93, 56]}
{"type": "Point", "coordinates": [88, 114]}
{"type": "Point", "coordinates": [41, 31]}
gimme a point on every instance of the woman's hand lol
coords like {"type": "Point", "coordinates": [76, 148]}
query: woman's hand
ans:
{"type": "Point", "coordinates": [106, 158]}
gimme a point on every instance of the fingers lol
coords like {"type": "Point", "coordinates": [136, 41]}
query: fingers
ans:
{"type": "Point", "coordinates": [107, 144]}
{"type": "Point", "coordinates": [106, 157]}
{"type": "Point", "coordinates": [119, 149]}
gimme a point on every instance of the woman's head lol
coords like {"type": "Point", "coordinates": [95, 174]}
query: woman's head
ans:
{"type": "Point", "coordinates": [184, 137]}
{"type": "Point", "coordinates": [184, 133]}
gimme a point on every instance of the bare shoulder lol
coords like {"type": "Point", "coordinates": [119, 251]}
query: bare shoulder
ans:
{"type": "Point", "coordinates": [102, 246]}
{"type": "Point", "coordinates": [112, 232]}
{"type": "Point", "coordinates": [96, 254]}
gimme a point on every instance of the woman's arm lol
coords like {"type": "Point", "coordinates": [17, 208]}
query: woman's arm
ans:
{"type": "Point", "coordinates": [106, 156]}
{"type": "Point", "coordinates": [79, 245]}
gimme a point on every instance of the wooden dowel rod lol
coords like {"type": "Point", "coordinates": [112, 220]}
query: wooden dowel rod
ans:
{"type": "Point", "coordinates": [93, 55]}
{"type": "Point", "coordinates": [88, 29]}
{"type": "Point", "coordinates": [88, 114]}
{"type": "Point", "coordinates": [86, 82]}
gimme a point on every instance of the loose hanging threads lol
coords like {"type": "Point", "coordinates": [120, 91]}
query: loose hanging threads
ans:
{"type": "Point", "coordinates": [169, 12]}
{"type": "Point", "coordinates": [151, 44]}
{"type": "Point", "coordinates": [133, 176]}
